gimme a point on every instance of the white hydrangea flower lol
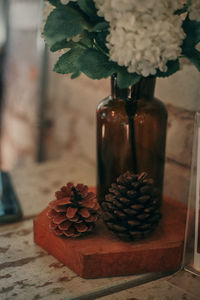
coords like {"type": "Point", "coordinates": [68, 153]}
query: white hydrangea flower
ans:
{"type": "Point", "coordinates": [144, 35]}
{"type": "Point", "coordinates": [194, 11]}
{"type": "Point", "coordinates": [65, 2]}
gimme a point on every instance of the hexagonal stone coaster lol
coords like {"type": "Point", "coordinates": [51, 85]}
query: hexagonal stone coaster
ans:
{"type": "Point", "coordinates": [102, 254]}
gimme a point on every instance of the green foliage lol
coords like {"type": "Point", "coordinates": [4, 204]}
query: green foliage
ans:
{"type": "Point", "coordinates": [192, 30]}
{"type": "Point", "coordinates": [101, 27]}
{"type": "Point", "coordinates": [95, 64]}
{"type": "Point", "coordinates": [75, 75]}
{"type": "Point", "coordinates": [62, 23]}
{"type": "Point", "coordinates": [62, 45]}
{"type": "Point", "coordinates": [125, 79]}
{"type": "Point", "coordinates": [86, 39]}
{"type": "Point", "coordinates": [89, 54]}
{"type": "Point", "coordinates": [184, 8]}
{"type": "Point", "coordinates": [88, 7]}
{"type": "Point", "coordinates": [100, 39]}
{"type": "Point", "coordinates": [172, 67]}
{"type": "Point", "coordinates": [54, 2]}
{"type": "Point", "coordinates": [68, 62]}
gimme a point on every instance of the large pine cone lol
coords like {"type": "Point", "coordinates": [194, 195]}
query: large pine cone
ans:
{"type": "Point", "coordinates": [132, 207]}
{"type": "Point", "coordinates": [74, 212]}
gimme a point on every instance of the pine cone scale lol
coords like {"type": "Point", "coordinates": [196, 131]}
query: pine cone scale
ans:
{"type": "Point", "coordinates": [52, 225]}
{"type": "Point", "coordinates": [59, 219]}
{"type": "Point", "coordinates": [91, 219]}
{"type": "Point", "coordinates": [59, 208]}
{"type": "Point", "coordinates": [65, 225]}
{"type": "Point", "coordinates": [74, 219]}
{"type": "Point", "coordinates": [130, 212]}
{"type": "Point", "coordinates": [84, 212]}
{"type": "Point", "coordinates": [62, 201]}
{"type": "Point", "coordinates": [74, 212]}
{"type": "Point", "coordinates": [71, 212]}
{"type": "Point", "coordinates": [81, 227]}
{"type": "Point", "coordinates": [137, 207]}
{"type": "Point", "coordinates": [131, 208]}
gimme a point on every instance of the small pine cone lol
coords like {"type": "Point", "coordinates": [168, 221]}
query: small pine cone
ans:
{"type": "Point", "coordinates": [74, 212]}
{"type": "Point", "coordinates": [131, 209]}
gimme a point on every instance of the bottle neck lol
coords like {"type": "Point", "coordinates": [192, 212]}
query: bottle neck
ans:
{"type": "Point", "coordinates": [116, 92]}
{"type": "Point", "coordinates": [142, 89]}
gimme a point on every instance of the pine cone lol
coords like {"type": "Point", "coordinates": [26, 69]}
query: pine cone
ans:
{"type": "Point", "coordinates": [74, 212]}
{"type": "Point", "coordinates": [132, 207]}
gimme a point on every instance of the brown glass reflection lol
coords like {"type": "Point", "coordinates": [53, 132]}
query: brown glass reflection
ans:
{"type": "Point", "coordinates": [131, 134]}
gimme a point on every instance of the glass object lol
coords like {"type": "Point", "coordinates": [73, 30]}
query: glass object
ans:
{"type": "Point", "coordinates": [131, 134]}
{"type": "Point", "coordinates": [10, 209]}
{"type": "Point", "coordinates": [191, 256]}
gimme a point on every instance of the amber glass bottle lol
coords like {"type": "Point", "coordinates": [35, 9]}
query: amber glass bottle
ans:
{"type": "Point", "coordinates": [131, 134]}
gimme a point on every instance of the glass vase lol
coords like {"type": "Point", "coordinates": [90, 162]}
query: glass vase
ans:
{"type": "Point", "coordinates": [131, 135]}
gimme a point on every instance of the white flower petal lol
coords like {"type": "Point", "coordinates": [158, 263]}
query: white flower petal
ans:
{"type": "Point", "coordinates": [144, 34]}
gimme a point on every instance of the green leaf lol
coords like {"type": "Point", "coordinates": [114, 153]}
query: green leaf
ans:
{"type": "Point", "coordinates": [184, 8]}
{"type": "Point", "coordinates": [54, 2]}
{"type": "Point", "coordinates": [95, 64]}
{"type": "Point", "coordinates": [63, 22]}
{"type": "Point", "coordinates": [100, 38]}
{"type": "Point", "coordinates": [86, 39]}
{"type": "Point", "coordinates": [172, 67]}
{"type": "Point", "coordinates": [126, 79]}
{"type": "Point", "coordinates": [75, 75]}
{"type": "Point", "coordinates": [192, 30]}
{"type": "Point", "coordinates": [101, 26]}
{"type": "Point", "coordinates": [62, 45]}
{"type": "Point", "coordinates": [68, 62]}
{"type": "Point", "coordinates": [88, 7]}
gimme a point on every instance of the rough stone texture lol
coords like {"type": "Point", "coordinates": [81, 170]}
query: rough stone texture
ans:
{"type": "Point", "coordinates": [41, 183]}
{"type": "Point", "coordinates": [158, 290]}
{"type": "Point", "coordinates": [180, 135]}
{"type": "Point", "coordinates": [28, 272]}
{"type": "Point", "coordinates": [176, 181]}
{"type": "Point", "coordinates": [178, 153]}
{"type": "Point", "coordinates": [71, 109]}
{"type": "Point", "coordinates": [183, 280]}
{"type": "Point", "coordinates": [181, 89]}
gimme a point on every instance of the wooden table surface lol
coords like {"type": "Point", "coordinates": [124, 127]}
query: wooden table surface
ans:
{"type": "Point", "coordinates": [28, 272]}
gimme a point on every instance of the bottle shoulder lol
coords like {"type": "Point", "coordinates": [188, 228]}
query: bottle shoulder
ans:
{"type": "Point", "coordinates": [148, 106]}
{"type": "Point", "coordinates": [152, 106]}
{"type": "Point", "coordinates": [110, 104]}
